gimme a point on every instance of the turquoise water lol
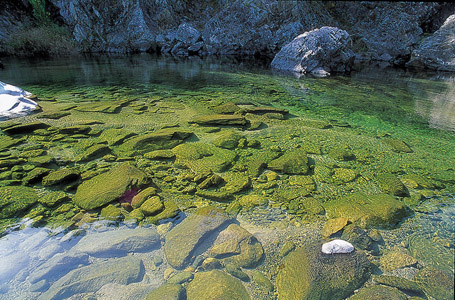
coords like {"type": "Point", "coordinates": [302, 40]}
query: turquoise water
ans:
{"type": "Point", "coordinates": [353, 129]}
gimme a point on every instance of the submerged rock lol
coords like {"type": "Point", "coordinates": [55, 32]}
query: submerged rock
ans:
{"type": "Point", "coordinates": [15, 102]}
{"type": "Point", "coordinates": [320, 51]}
{"type": "Point", "coordinates": [90, 278]}
{"type": "Point", "coordinates": [292, 162]}
{"type": "Point", "coordinates": [118, 242]}
{"type": "Point", "coordinates": [167, 292]}
{"type": "Point", "coordinates": [368, 210]}
{"type": "Point", "coordinates": [184, 238]}
{"type": "Point", "coordinates": [435, 283]}
{"type": "Point", "coordinates": [220, 120]}
{"type": "Point", "coordinates": [110, 186]}
{"type": "Point", "coordinates": [15, 200]}
{"type": "Point", "coordinates": [216, 284]}
{"type": "Point", "coordinates": [379, 292]}
{"type": "Point", "coordinates": [307, 273]}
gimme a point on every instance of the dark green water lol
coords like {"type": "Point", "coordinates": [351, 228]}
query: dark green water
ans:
{"type": "Point", "coordinates": [372, 115]}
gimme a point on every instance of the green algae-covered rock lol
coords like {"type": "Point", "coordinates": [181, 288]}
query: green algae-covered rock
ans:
{"type": "Point", "coordinates": [399, 283]}
{"type": "Point", "coordinates": [93, 152]}
{"type": "Point", "coordinates": [55, 115]}
{"type": "Point", "coordinates": [14, 200]}
{"type": "Point", "coordinates": [115, 136]}
{"type": "Point", "coordinates": [228, 139]}
{"type": "Point", "coordinates": [111, 212]}
{"type": "Point", "coordinates": [167, 292]}
{"type": "Point", "coordinates": [250, 201]}
{"type": "Point", "coordinates": [307, 273]}
{"type": "Point", "coordinates": [435, 283]}
{"type": "Point", "coordinates": [35, 175]}
{"type": "Point", "coordinates": [292, 162]}
{"type": "Point", "coordinates": [257, 162]}
{"type": "Point", "coordinates": [170, 210]}
{"type": "Point", "coordinates": [152, 206]}
{"type": "Point", "coordinates": [343, 175]}
{"type": "Point", "coordinates": [226, 108]}
{"type": "Point", "coordinates": [53, 198]}
{"type": "Point", "coordinates": [186, 236]}
{"type": "Point", "coordinates": [368, 210]}
{"type": "Point", "coordinates": [417, 181]}
{"type": "Point", "coordinates": [333, 226]}
{"type": "Point", "coordinates": [76, 129]}
{"type": "Point", "coordinates": [390, 184]}
{"type": "Point", "coordinates": [162, 139]}
{"type": "Point", "coordinates": [261, 280]}
{"type": "Point", "coordinates": [357, 236]}
{"type": "Point", "coordinates": [236, 246]}
{"type": "Point", "coordinates": [341, 153]}
{"type": "Point", "coordinates": [25, 128]}
{"type": "Point", "coordinates": [379, 292]}
{"type": "Point", "coordinates": [220, 120]}
{"type": "Point", "coordinates": [61, 176]}
{"type": "Point", "coordinates": [110, 186]}
{"type": "Point", "coordinates": [216, 284]}
{"type": "Point", "coordinates": [7, 142]}
{"type": "Point", "coordinates": [43, 160]}
{"type": "Point", "coordinates": [159, 154]}
{"type": "Point", "coordinates": [398, 145]}
{"type": "Point", "coordinates": [201, 157]}
{"type": "Point", "coordinates": [181, 277]}
{"type": "Point", "coordinates": [395, 260]}
{"type": "Point", "coordinates": [143, 195]}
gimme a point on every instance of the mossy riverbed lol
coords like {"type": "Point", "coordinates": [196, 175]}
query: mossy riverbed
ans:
{"type": "Point", "coordinates": [238, 165]}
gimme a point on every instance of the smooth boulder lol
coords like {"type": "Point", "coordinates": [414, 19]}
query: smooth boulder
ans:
{"type": "Point", "coordinates": [320, 51]}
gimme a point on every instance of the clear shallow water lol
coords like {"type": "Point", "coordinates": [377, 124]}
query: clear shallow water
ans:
{"type": "Point", "coordinates": [353, 112]}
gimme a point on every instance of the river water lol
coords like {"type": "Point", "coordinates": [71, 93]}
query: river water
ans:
{"type": "Point", "coordinates": [361, 116]}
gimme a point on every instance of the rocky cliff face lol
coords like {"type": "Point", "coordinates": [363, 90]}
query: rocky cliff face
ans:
{"type": "Point", "coordinates": [380, 30]}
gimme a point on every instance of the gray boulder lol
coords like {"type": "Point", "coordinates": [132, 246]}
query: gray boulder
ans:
{"type": "Point", "coordinates": [320, 51]}
{"type": "Point", "coordinates": [118, 242]}
{"type": "Point", "coordinates": [437, 51]}
{"type": "Point", "coordinates": [91, 278]}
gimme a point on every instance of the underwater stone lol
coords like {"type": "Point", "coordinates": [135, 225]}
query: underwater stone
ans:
{"type": "Point", "coordinates": [118, 242]}
{"type": "Point", "coordinates": [114, 136]}
{"type": "Point", "coordinates": [227, 108]}
{"type": "Point", "coordinates": [398, 145]}
{"type": "Point", "coordinates": [110, 186]}
{"type": "Point", "coordinates": [53, 198]}
{"type": "Point", "coordinates": [180, 277]}
{"type": "Point", "coordinates": [170, 210]}
{"type": "Point", "coordinates": [167, 292]}
{"type": "Point", "coordinates": [260, 279]}
{"type": "Point", "coordinates": [396, 260]}
{"type": "Point", "coordinates": [159, 154]}
{"type": "Point", "coordinates": [357, 236]}
{"type": "Point", "coordinates": [435, 283]}
{"type": "Point", "coordinates": [186, 236]}
{"type": "Point", "coordinates": [228, 139]}
{"type": "Point", "coordinates": [292, 162]}
{"type": "Point", "coordinates": [35, 175]}
{"type": "Point", "coordinates": [76, 129]}
{"type": "Point", "coordinates": [91, 278]}
{"type": "Point", "coordinates": [368, 210]}
{"type": "Point", "coordinates": [390, 184]}
{"type": "Point", "coordinates": [61, 176]}
{"type": "Point", "coordinates": [16, 199]}
{"type": "Point", "coordinates": [111, 212]}
{"type": "Point", "coordinates": [7, 142]}
{"type": "Point", "coordinates": [220, 120]}
{"type": "Point", "coordinates": [378, 292]}
{"type": "Point", "coordinates": [162, 139]}
{"type": "Point", "coordinates": [216, 284]}
{"type": "Point", "coordinates": [53, 115]}
{"type": "Point", "coordinates": [260, 110]}
{"type": "Point", "coordinates": [152, 206]}
{"type": "Point", "coordinates": [337, 246]}
{"type": "Point", "coordinates": [96, 151]}
{"type": "Point", "coordinates": [307, 273]}
{"type": "Point", "coordinates": [237, 247]}
{"type": "Point", "coordinates": [143, 195]}
{"type": "Point", "coordinates": [399, 283]}
{"type": "Point", "coordinates": [25, 128]}
{"type": "Point", "coordinates": [333, 226]}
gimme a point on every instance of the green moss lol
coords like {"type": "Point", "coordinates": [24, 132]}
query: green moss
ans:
{"type": "Point", "coordinates": [292, 162]}
{"type": "Point", "coordinates": [368, 210]}
{"type": "Point", "coordinates": [390, 184]}
{"type": "Point", "coordinates": [227, 139]}
{"type": "Point", "coordinates": [398, 145]}
{"type": "Point", "coordinates": [15, 200]}
{"type": "Point", "coordinates": [167, 292]}
{"type": "Point", "coordinates": [152, 206]}
{"type": "Point", "coordinates": [435, 283]}
{"type": "Point", "coordinates": [61, 176]}
{"type": "Point", "coordinates": [111, 212]}
{"type": "Point", "coordinates": [110, 186]}
{"type": "Point", "coordinates": [216, 285]}
{"type": "Point", "coordinates": [399, 283]}
{"type": "Point", "coordinates": [53, 198]}
{"type": "Point", "coordinates": [378, 292]}
{"type": "Point", "coordinates": [94, 152]}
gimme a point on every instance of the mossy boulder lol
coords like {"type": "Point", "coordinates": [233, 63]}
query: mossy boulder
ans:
{"type": "Point", "coordinates": [93, 152]}
{"type": "Point", "coordinates": [258, 161]}
{"type": "Point", "coordinates": [250, 201]}
{"type": "Point", "coordinates": [55, 115]}
{"type": "Point", "coordinates": [291, 162]}
{"type": "Point", "coordinates": [216, 284]}
{"type": "Point", "coordinates": [202, 157]}
{"type": "Point", "coordinates": [170, 211]}
{"type": "Point", "coordinates": [53, 198]}
{"type": "Point", "coordinates": [390, 184]}
{"type": "Point", "coordinates": [237, 247]}
{"type": "Point", "coordinates": [395, 260]}
{"type": "Point", "coordinates": [341, 154]}
{"type": "Point", "coordinates": [307, 273]}
{"type": "Point", "coordinates": [435, 283]}
{"type": "Point", "coordinates": [226, 108]}
{"type": "Point", "coordinates": [228, 139]}
{"type": "Point", "coordinates": [152, 206]}
{"type": "Point", "coordinates": [25, 128]}
{"type": "Point", "coordinates": [379, 292]}
{"type": "Point", "coordinates": [379, 210]}
{"type": "Point", "coordinates": [159, 154]}
{"type": "Point", "coordinates": [111, 212]}
{"type": "Point", "coordinates": [183, 239]}
{"type": "Point", "coordinates": [14, 200]}
{"type": "Point", "coordinates": [110, 186]}
{"type": "Point", "coordinates": [162, 139]}
{"type": "Point", "coordinates": [429, 253]}
{"type": "Point", "coordinates": [35, 175]}
{"type": "Point", "coordinates": [143, 195]}
{"type": "Point", "coordinates": [398, 145]}
{"type": "Point", "coordinates": [76, 129]}
{"type": "Point", "coordinates": [343, 175]}
{"type": "Point", "coordinates": [220, 119]}
{"type": "Point", "coordinates": [333, 226]}
{"type": "Point", "coordinates": [7, 142]}
{"type": "Point", "coordinates": [167, 292]}
{"type": "Point", "coordinates": [400, 283]}
{"type": "Point", "coordinates": [115, 136]}
{"type": "Point", "coordinates": [357, 236]}
{"type": "Point", "coordinates": [61, 176]}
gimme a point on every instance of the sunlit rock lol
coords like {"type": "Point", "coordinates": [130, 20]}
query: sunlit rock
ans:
{"type": "Point", "coordinates": [337, 246]}
{"type": "Point", "coordinates": [14, 101]}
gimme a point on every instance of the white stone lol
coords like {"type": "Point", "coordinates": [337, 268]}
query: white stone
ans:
{"type": "Point", "coordinates": [337, 246]}
{"type": "Point", "coordinates": [14, 101]}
